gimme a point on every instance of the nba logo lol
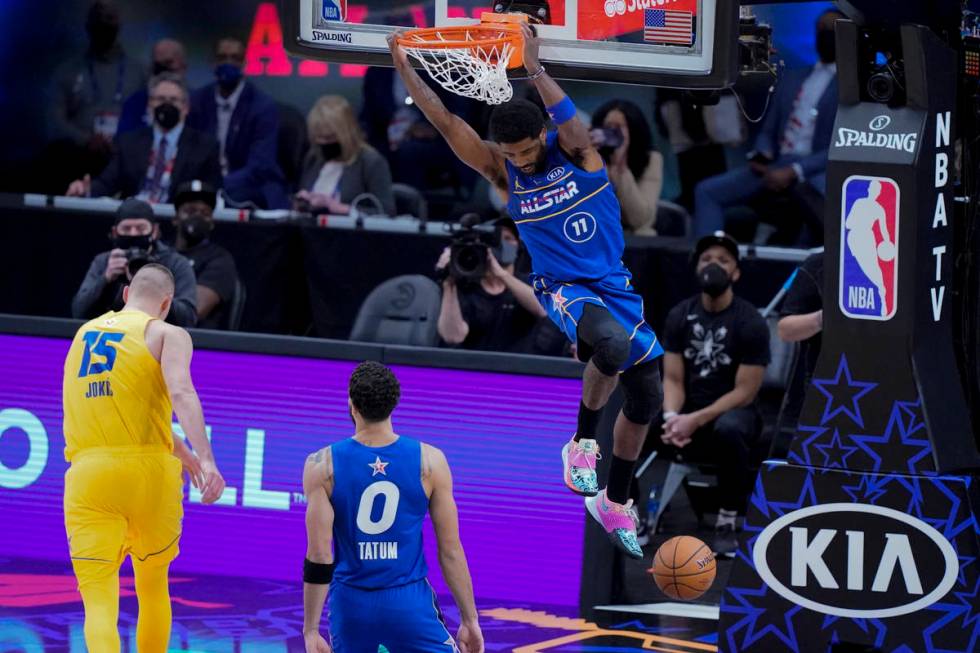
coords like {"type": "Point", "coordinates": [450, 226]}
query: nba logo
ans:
{"type": "Point", "coordinates": [333, 10]}
{"type": "Point", "coordinates": [869, 248]}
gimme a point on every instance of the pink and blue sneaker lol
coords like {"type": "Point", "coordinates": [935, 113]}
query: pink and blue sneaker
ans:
{"type": "Point", "coordinates": [578, 459]}
{"type": "Point", "coordinates": [619, 521]}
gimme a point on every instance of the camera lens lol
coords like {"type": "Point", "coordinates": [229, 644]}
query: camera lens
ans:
{"type": "Point", "coordinates": [469, 259]}
{"type": "Point", "coordinates": [881, 87]}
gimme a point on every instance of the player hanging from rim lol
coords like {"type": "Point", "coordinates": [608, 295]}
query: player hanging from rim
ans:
{"type": "Point", "coordinates": [566, 211]}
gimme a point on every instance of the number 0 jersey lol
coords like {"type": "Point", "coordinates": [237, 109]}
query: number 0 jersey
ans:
{"type": "Point", "coordinates": [568, 218]}
{"type": "Point", "coordinates": [113, 391]}
{"type": "Point", "coordinates": [379, 506]}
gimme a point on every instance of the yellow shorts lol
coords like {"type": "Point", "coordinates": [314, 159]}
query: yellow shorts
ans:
{"type": "Point", "coordinates": [122, 501]}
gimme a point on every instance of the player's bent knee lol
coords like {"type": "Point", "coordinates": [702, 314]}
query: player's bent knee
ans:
{"type": "Point", "coordinates": [611, 351]}
{"type": "Point", "coordinates": [605, 338]}
{"type": "Point", "coordinates": [644, 394]}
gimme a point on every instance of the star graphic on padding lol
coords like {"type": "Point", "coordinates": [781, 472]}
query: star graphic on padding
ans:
{"type": "Point", "coordinates": [835, 453]}
{"type": "Point", "coordinates": [747, 631]}
{"type": "Point", "coordinates": [912, 441]}
{"type": "Point", "coordinates": [869, 489]}
{"type": "Point", "coordinates": [843, 391]}
{"type": "Point", "coordinates": [378, 467]}
{"type": "Point", "coordinates": [952, 612]}
{"type": "Point", "coordinates": [816, 432]}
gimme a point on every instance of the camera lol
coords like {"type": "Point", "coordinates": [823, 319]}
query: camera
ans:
{"type": "Point", "coordinates": [137, 257]}
{"type": "Point", "coordinates": [611, 139]}
{"type": "Point", "coordinates": [468, 249]}
{"type": "Point", "coordinates": [539, 11]}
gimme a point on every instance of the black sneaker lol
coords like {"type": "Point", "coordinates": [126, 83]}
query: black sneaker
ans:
{"type": "Point", "coordinates": [725, 542]}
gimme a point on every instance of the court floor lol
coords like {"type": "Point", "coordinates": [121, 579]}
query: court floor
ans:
{"type": "Point", "coordinates": [41, 612]}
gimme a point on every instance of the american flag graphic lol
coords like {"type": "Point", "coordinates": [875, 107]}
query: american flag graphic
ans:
{"type": "Point", "coordinates": [665, 26]}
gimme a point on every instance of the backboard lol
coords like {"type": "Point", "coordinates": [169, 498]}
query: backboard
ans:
{"type": "Point", "coordinates": [673, 43]}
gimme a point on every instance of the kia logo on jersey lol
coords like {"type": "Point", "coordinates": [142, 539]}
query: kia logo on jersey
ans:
{"type": "Point", "coordinates": [869, 248]}
{"type": "Point", "coordinates": [556, 173]}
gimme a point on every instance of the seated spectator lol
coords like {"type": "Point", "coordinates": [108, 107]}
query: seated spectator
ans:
{"type": "Point", "coordinates": [340, 165]}
{"type": "Point", "coordinates": [622, 136]}
{"type": "Point", "coordinates": [802, 321]}
{"type": "Point", "coordinates": [214, 267]}
{"type": "Point", "coordinates": [497, 313]}
{"type": "Point", "coordinates": [87, 100]}
{"type": "Point", "coordinates": [717, 348]}
{"type": "Point", "coordinates": [246, 123]}
{"type": "Point", "coordinates": [697, 137]}
{"type": "Point", "coordinates": [168, 57]}
{"type": "Point", "coordinates": [135, 242]}
{"type": "Point", "coordinates": [792, 145]}
{"type": "Point", "coordinates": [151, 161]}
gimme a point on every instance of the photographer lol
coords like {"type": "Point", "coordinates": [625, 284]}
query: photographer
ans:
{"type": "Point", "coordinates": [623, 138]}
{"type": "Point", "coordinates": [495, 311]}
{"type": "Point", "coordinates": [134, 244]}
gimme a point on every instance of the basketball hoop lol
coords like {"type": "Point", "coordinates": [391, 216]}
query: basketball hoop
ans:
{"type": "Point", "coordinates": [470, 60]}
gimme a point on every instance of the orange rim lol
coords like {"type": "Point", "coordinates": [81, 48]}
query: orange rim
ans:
{"type": "Point", "coordinates": [454, 36]}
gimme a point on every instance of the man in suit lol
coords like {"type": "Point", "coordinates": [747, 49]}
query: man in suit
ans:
{"type": "Point", "coordinates": [246, 123]}
{"type": "Point", "coordinates": [151, 162]}
{"type": "Point", "coordinates": [791, 148]}
{"type": "Point", "coordinates": [168, 57]}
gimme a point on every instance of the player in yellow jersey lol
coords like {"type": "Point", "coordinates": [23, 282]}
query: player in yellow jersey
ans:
{"type": "Point", "coordinates": [126, 373]}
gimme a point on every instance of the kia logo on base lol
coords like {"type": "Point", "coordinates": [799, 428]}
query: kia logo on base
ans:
{"type": "Point", "coordinates": [855, 560]}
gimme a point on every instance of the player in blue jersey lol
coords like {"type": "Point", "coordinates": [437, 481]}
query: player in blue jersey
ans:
{"type": "Point", "coordinates": [369, 495]}
{"type": "Point", "coordinates": [567, 213]}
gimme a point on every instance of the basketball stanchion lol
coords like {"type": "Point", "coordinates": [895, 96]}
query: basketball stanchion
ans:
{"type": "Point", "coordinates": [865, 538]}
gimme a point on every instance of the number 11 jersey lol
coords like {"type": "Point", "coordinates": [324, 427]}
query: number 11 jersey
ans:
{"type": "Point", "coordinates": [379, 506]}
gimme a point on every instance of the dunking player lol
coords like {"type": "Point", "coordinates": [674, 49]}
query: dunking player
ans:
{"type": "Point", "coordinates": [567, 214]}
{"type": "Point", "coordinates": [370, 493]}
{"type": "Point", "coordinates": [126, 373]}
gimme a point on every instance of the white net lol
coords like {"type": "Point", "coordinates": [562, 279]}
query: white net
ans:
{"type": "Point", "coordinates": [477, 71]}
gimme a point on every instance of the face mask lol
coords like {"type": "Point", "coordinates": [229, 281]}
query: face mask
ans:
{"type": "Point", "coordinates": [166, 115]}
{"type": "Point", "coordinates": [228, 75]}
{"type": "Point", "coordinates": [827, 45]}
{"type": "Point", "coordinates": [159, 67]}
{"type": "Point", "coordinates": [713, 279]}
{"type": "Point", "coordinates": [330, 151]}
{"type": "Point", "coordinates": [505, 253]}
{"type": "Point", "coordinates": [102, 36]}
{"type": "Point", "coordinates": [195, 227]}
{"type": "Point", "coordinates": [130, 242]}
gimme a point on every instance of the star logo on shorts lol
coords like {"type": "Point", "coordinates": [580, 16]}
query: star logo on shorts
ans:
{"type": "Point", "coordinates": [378, 467]}
{"type": "Point", "coordinates": [558, 298]}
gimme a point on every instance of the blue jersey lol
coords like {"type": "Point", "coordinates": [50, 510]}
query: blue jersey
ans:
{"type": "Point", "coordinates": [379, 505]}
{"type": "Point", "coordinates": [568, 218]}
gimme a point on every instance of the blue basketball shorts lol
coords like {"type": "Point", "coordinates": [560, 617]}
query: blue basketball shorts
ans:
{"type": "Point", "coordinates": [564, 302]}
{"type": "Point", "coordinates": [403, 619]}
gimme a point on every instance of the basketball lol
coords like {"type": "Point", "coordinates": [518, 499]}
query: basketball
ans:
{"type": "Point", "coordinates": [886, 251]}
{"type": "Point", "coordinates": [683, 568]}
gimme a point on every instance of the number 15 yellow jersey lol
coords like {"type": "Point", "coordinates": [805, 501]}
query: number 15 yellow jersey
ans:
{"type": "Point", "coordinates": [114, 394]}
